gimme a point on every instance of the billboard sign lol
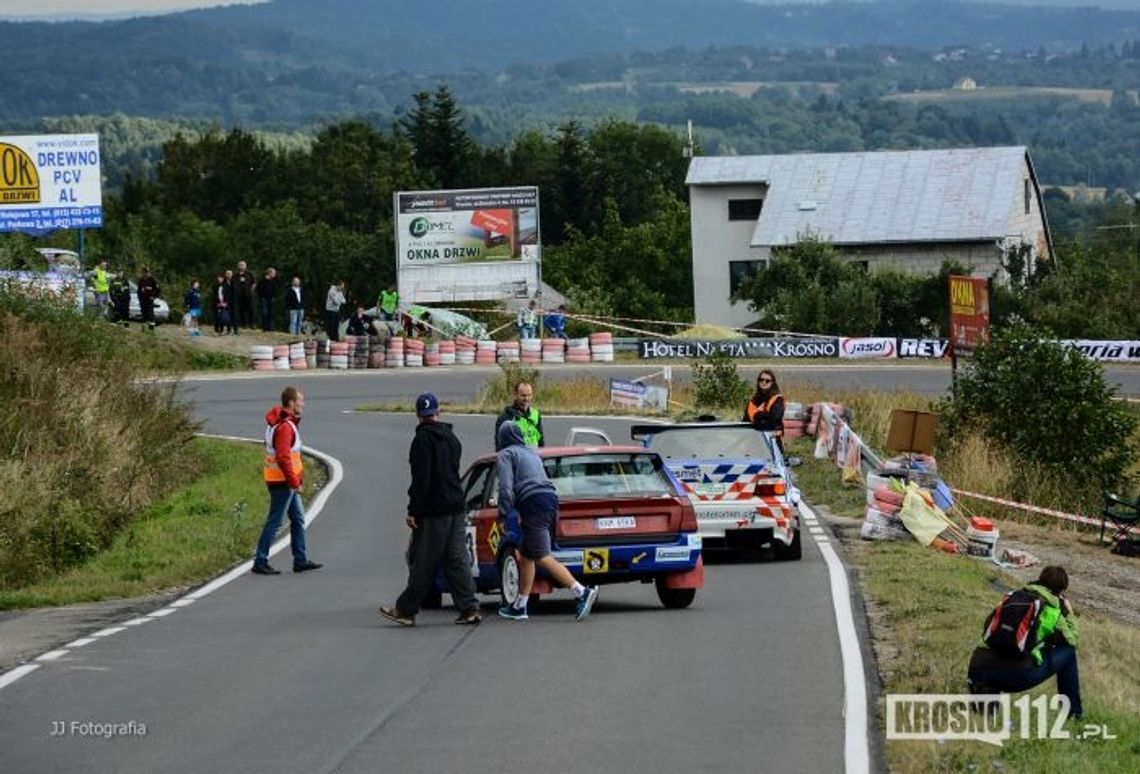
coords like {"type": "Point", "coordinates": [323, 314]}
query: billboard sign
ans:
{"type": "Point", "coordinates": [969, 313]}
{"type": "Point", "coordinates": [867, 348]}
{"type": "Point", "coordinates": [467, 245]}
{"type": "Point", "coordinates": [49, 182]}
{"type": "Point", "coordinates": [444, 227]}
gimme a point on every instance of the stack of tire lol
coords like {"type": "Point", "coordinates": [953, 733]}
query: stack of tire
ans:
{"type": "Point", "coordinates": [795, 420]}
{"type": "Point", "coordinates": [578, 351]}
{"type": "Point", "coordinates": [413, 353]}
{"type": "Point", "coordinates": [297, 356]}
{"type": "Point", "coordinates": [324, 354]}
{"type": "Point", "coordinates": [262, 357]}
{"type": "Point", "coordinates": [553, 350]}
{"type": "Point", "coordinates": [394, 353]}
{"type": "Point", "coordinates": [360, 352]}
{"type": "Point", "coordinates": [531, 351]}
{"type": "Point", "coordinates": [508, 352]}
{"type": "Point", "coordinates": [447, 353]}
{"type": "Point", "coordinates": [465, 352]}
{"type": "Point", "coordinates": [311, 353]}
{"type": "Point", "coordinates": [281, 357]}
{"type": "Point", "coordinates": [486, 353]}
{"type": "Point", "coordinates": [881, 521]}
{"type": "Point", "coordinates": [338, 355]}
{"type": "Point", "coordinates": [375, 352]}
{"type": "Point", "coordinates": [431, 354]}
{"type": "Point", "coordinates": [602, 347]}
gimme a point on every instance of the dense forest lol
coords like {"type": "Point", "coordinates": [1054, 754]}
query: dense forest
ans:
{"type": "Point", "coordinates": [615, 225]}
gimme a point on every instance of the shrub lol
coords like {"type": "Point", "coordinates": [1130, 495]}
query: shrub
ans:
{"type": "Point", "coordinates": [85, 445]}
{"type": "Point", "coordinates": [717, 383]}
{"type": "Point", "coordinates": [1050, 405]}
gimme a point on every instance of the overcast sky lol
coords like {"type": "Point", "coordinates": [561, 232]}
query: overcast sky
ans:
{"type": "Point", "coordinates": [54, 8]}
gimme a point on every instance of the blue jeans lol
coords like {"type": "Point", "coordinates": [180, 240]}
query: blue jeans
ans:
{"type": "Point", "coordinates": [527, 331]}
{"type": "Point", "coordinates": [296, 316]}
{"type": "Point", "coordinates": [1060, 660]}
{"type": "Point", "coordinates": [282, 499]}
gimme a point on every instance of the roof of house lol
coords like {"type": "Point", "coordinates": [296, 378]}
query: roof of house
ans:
{"type": "Point", "coordinates": [959, 195]}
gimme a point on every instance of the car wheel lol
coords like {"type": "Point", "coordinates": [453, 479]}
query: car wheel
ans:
{"type": "Point", "coordinates": [793, 550]}
{"type": "Point", "coordinates": [508, 575]}
{"type": "Point", "coordinates": [433, 600]}
{"type": "Point", "coordinates": [674, 599]}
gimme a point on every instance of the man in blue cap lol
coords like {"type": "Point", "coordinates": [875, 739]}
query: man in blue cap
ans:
{"type": "Point", "coordinates": [437, 519]}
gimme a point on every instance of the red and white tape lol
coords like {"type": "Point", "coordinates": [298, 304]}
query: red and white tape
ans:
{"type": "Point", "coordinates": [1030, 508]}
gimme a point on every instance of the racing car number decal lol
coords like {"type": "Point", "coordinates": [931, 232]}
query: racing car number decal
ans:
{"type": "Point", "coordinates": [596, 560]}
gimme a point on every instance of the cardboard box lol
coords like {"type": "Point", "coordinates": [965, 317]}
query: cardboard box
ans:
{"type": "Point", "coordinates": [912, 431]}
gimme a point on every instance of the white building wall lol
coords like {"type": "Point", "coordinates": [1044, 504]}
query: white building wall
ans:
{"type": "Point", "coordinates": [716, 242]}
{"type": "Point", "coordinates": [1028, 227]}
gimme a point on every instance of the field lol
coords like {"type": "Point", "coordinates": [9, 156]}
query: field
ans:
{"type": "Point", "coordinates": [1101, 96]}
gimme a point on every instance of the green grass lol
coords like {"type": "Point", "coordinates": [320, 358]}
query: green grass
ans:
{"type": "Point", "coordinates": [928, 608]}
{"type": "Point", "coordinates": [182, 540]}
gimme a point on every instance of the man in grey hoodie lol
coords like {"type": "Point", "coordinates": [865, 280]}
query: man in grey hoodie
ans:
{"type": "Point", "coordinates": [524, 487]}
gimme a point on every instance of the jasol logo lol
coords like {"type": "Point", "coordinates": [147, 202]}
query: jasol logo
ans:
{"type": "Point", "coordinates": [19, 179]}
{"type": "Point", "coordinates": [880, 347]}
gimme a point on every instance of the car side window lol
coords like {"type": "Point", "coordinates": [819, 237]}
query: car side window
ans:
{"type": "Point", "coordinates": [477, 485]}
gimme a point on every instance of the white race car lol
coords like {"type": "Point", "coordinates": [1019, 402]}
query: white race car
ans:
{"type": "Point", "coordinates": [737, 481]}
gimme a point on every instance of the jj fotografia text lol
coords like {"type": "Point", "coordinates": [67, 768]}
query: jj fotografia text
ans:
{"type": "Point", "coordinates": [96, 729]}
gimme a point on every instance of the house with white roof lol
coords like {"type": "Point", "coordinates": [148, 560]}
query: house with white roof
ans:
{"type": "Point", "coordinates": [911, 210]}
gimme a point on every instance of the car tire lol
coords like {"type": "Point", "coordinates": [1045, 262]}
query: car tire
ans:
{"type": "Point", "coordinates": [791, 551]}
{"type": "Point", "coordinates": [433, 600]}
{"type": "Point", "coordinates": [508, 565]}
{"type": "Point", "coordinates": [674, 599]}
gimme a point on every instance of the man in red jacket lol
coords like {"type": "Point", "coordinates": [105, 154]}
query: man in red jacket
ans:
{"type": "Point", "coordinates": [283, 470]}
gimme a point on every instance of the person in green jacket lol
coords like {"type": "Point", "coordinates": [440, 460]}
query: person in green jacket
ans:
{"type": "Point", "coordinates": [1055, 652]}
{"type": "Point", "coordinates": [389, 300]}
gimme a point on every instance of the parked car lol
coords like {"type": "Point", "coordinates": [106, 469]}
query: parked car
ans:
{"type": "Point", "coordinates": [622, 519]}
{"type": "Point", "coordinates": [737, 480]}
{"type": "Point", "coordinates": [161, 308]}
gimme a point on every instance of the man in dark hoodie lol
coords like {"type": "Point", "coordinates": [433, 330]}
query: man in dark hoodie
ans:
{"type": "Point", "coordinates": [524, 487]}
{"type": "Point", "coordinates": [526, 416]}
{"type": "Point", "coordinates": [282, 473]}
{"type": "Point", "coordinates": [437, 519]}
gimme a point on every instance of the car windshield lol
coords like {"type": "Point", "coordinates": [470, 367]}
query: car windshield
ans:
{"type": "Point", "coordinates": [607, 475]}
{"type": "Point", "coordinates": [710, 443]}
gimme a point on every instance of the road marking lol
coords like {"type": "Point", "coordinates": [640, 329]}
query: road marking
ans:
{"type": "Point", "coordinates": [13, 675]}
{"type": "Point", "coordinates": [816, 530]}
{"type": "Point", "coordinates": [137, 621]}
{"type": "Point", "coordinates": [109, 631]}
{"type": "Point", "coordinates": [856, 746]}
{"type": "Point", "coordinates": [182, 602]}
{"type": "Point", "coordinates": [52, 655]}
{"type": "Point", "coordinates": [163, 612]}
{"type": "Point", "coordinates": [80, 643]}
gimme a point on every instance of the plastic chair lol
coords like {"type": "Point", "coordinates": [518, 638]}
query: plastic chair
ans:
{"type": "Point", "coordinates": [1123, 514]}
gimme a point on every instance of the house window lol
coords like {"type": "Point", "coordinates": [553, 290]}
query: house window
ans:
{"type": "Point", "coordinates": [744, 209]}
{"type": "Point", "coordinates": [1026, 187]}
{"type": "Point", "coordinates": [738, 271]}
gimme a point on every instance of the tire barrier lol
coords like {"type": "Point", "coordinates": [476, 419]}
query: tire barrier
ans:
{"type": "Point", "coordinates": [359, 352]}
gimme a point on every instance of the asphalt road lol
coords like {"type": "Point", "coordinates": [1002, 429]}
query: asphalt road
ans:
{"type": "Point", "coordinates": [298, 673]}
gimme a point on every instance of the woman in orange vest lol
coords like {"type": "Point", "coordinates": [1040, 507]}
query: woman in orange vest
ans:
{"type": "Point", "coordinates": [282, 474]}
{"type": "Point", "coordinates": [765, 409]}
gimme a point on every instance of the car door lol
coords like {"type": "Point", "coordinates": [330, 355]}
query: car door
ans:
{"type": "Point", "coordinates": [478, 488]}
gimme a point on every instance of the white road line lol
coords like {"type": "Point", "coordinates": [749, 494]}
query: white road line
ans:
{"type": "Point", "coordinates": [109, 631]}
{"type": "Point", "coordinates": [182, 602]}
{"type": "Point", "coordinates": [137, 621]}
{"type": "Point", "coordinates": [52, 655]}
{"type": "Point", "coordinates": [856, 748]}
{"type": "Point", "coordinates": [163, 612]}
{"type": "Point", "coordinates": [13, 675]}
{"type": "Point", "coordinates": [816, 530]}
{"type": "Point", "coordinates": [80, 643]}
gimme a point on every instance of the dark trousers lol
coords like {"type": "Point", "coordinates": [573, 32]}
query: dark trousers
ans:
{"type": "Point", "coordinates": [267, 314]}
{"type": "Point", "coordinates": [146, 305]}
{"type": "Point", "coordinates": [1060, 660]}
{"type": "Point", "coordinates": [332, 325]}
{"type": "Point", "coordinates": [244, 311]}
{"type": "Point", "coordinates": [439, 540]}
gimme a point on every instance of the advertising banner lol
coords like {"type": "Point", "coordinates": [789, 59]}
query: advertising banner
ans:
{"type": "Point", "coordinates": [867, 347]}
{"type": "Point", "coordinates": [969, 313]}
{"type": "Point", "coordinates": [651, 349]}
{"type": "Point", "coordinates": [929, 348]}
{"type": "Point", "coordinates": [49, 182]}
{"type": "Point", "coordinates": [1107, 351]}
{"type": "Point", "coordinates": [448, 227]}
{"type": "Point", "coordinates": [638, 395]}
